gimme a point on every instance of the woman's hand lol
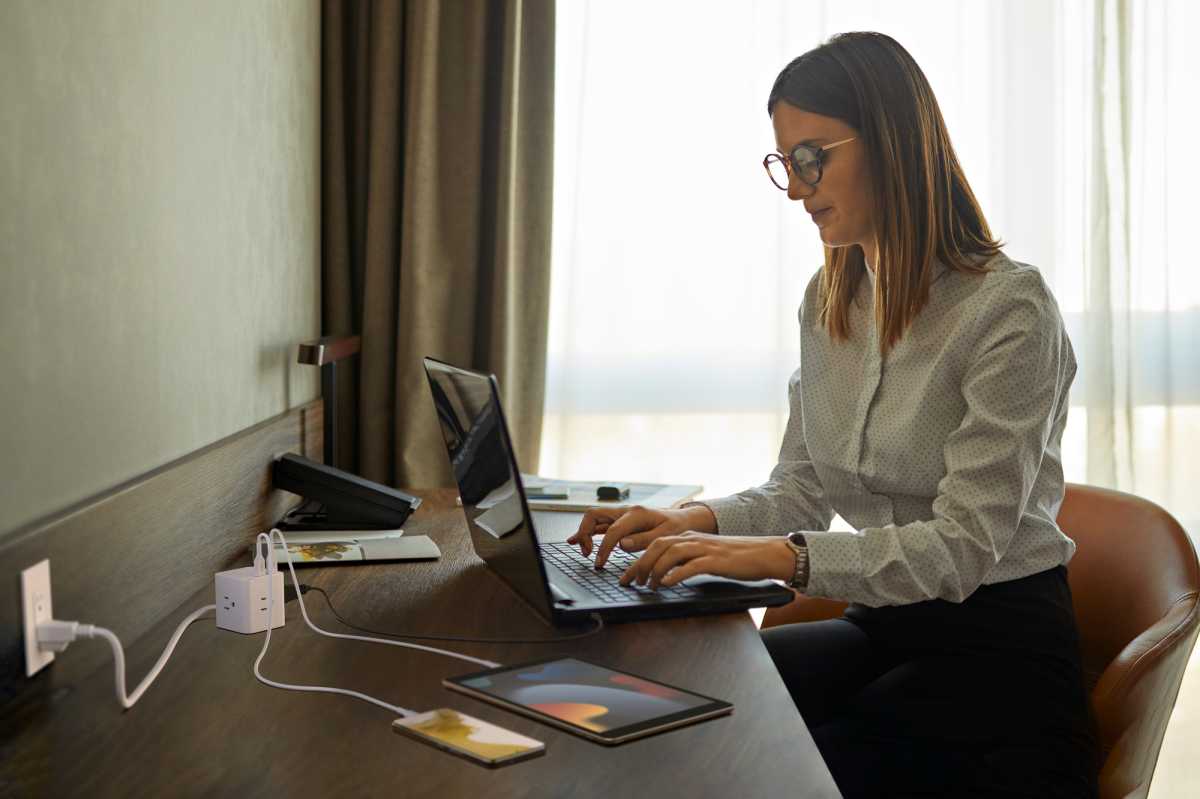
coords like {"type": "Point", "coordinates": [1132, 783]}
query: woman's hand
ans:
{"type": "Point", "coordinates": [672, 558]}
{"type": "Point", "coordinates": [635, 527]}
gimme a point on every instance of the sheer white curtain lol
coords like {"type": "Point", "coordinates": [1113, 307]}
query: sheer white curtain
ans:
{"type": "Point", "coordinates": [678, 268]}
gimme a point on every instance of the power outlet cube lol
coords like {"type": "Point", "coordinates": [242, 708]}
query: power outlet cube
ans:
{"type": "Point", "coordinates": [241, 599]}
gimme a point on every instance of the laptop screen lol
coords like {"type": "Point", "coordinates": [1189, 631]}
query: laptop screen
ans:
{"type": "Point", "coordinates": [481, 457]}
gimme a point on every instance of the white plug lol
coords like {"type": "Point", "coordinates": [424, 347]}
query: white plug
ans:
{"type": "Point", "coordinates": [36, 609]}
{"type": "Point", "coordinates": [45, 635]}
{"type": "Point", "coordinates": [241, 596]}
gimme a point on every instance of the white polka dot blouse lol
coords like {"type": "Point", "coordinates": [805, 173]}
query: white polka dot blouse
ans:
{"type": "Point", "coordinates": [944, 455]}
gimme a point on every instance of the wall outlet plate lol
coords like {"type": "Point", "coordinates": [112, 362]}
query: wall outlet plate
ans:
{"type": "Point", "coordinates": [35, 609]}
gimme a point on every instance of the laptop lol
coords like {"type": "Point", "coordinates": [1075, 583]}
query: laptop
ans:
{"type": "Point", "coordinates": [555, 579]}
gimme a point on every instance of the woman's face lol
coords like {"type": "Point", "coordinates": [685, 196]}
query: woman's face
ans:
{"type": "Point", "coordinates": [840, 204]}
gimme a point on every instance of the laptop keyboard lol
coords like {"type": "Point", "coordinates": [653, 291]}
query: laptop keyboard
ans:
{"type": "Point", "coordinates": [604, 582]}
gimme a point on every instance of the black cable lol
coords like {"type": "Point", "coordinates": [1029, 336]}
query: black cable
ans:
{"type": "Point", "coordinates": [304, 589]}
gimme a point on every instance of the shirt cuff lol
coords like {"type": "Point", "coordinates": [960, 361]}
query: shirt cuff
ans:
{"type": "Point", "coordinates": [834, 564]}
{"type": "Point", "coordinates": [732, 515]}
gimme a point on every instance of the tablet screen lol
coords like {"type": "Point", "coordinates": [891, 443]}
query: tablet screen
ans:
{"type": "Point", "coordinates": [590, 697]}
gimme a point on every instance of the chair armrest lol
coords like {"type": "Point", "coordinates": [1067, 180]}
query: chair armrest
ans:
{"type": "Point", "coordinates": [1136, 693]}
{"type": "Point", "coordinates": [803, 608]}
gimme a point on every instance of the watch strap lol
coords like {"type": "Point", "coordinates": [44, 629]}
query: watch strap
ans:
{"type": "Point", "coordinates": [799, 547]}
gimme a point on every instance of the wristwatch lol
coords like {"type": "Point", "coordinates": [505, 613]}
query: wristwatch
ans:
{"type": "Point", "coordinates": [799, 547]}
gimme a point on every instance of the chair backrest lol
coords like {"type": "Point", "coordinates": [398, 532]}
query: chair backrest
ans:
{"type": "Point", "coordinates": [1135, 581]}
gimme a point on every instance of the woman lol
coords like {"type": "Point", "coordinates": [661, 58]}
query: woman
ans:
{"type": "Point", "coordinates": [928, 411]}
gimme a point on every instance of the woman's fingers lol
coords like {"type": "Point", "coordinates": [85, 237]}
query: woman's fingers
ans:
{"type": "Point", "coordinates": [666, 551]}
{"type": "Point", "coordinates": [596, 521]}
{"type": "Point", "coordinates": [675, 556]}
{"type": "Point", "coordinates": [585, 544]}
{"type": "Point", "coordinates": [585, 541]}
{"type": "Point", "coordinates": [671, 559]}
{"type": "Point", "coordinates": [636, 520]}
{"type": "Point", "coordinates": [702, 565]}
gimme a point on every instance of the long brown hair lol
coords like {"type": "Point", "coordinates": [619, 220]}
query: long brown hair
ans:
{"type": "Point", "coordinates": [925, 211]}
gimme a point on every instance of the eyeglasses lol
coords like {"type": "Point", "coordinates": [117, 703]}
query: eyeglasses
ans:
{"type": "Point", "coordinates": [805, 160]}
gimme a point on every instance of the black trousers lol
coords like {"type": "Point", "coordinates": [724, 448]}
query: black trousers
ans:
{"type": "Point", "coordinates": [982, 698]}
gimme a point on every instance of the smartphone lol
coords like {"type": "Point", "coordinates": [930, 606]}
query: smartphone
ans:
{"type": "Point", "coordinates": [468, 737]}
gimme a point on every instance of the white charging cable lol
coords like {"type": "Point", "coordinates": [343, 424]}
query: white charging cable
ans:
{"type": "Point", "coordinates": [56, 635]}
{"type": "Point", "coordinates": [272, 567]}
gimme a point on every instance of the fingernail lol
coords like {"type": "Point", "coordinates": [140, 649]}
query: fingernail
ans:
{"type": "Point", "coordinates": [625, 545]}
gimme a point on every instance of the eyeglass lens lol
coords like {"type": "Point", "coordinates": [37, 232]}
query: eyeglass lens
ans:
{"type": "Point", "coordinates": [805, 159]}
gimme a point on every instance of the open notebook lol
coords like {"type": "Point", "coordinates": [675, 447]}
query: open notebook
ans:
{"type": "Point", "coordinates": [331, 547]}
{"type": "Point", "coordinates": [579, 495]}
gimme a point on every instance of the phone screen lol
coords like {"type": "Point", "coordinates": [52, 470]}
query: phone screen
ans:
{"type": "Point", "coordinates": [469, 737]}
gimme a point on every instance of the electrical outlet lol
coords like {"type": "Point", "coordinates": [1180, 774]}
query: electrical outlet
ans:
{"type": "Point", "coordinates": [36, 608]}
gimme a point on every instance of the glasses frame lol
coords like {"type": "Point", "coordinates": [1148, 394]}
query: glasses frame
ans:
{"type": "Point", "coordinates": [792, 168]}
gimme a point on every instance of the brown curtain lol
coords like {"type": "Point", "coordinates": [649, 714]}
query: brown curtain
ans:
{"type": "Point", "coordinates": [437, 175]}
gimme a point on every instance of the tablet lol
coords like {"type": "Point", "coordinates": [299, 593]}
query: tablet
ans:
{"type": "Point", "coordinates": [590, 700]}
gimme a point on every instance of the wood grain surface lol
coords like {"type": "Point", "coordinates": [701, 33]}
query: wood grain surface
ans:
{"type": "Point", "coordinates": [208, 728]}
{"type": "Point", "coordinates": [133, 554]}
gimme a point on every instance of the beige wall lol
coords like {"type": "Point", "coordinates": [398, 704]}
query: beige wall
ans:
{"type": "Point", "coordinates": [159, 233]}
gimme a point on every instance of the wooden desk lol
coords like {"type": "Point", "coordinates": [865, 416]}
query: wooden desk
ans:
{"type": "Point", "coordinates": [207, 727]}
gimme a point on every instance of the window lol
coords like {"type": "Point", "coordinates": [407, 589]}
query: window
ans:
{"type": "Point", "coordinates": [678, 268]}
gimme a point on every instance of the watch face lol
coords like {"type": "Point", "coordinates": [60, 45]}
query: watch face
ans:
{"type": "Point", "coordinates": [797, 539]}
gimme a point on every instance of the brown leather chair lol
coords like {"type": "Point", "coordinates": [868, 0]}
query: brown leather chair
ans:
{"type": "Point", "coordinates": [1135, 582]}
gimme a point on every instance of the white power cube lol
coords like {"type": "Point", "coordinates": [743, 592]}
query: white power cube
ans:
{"type": "Point", "coordinates": [241, 599]}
